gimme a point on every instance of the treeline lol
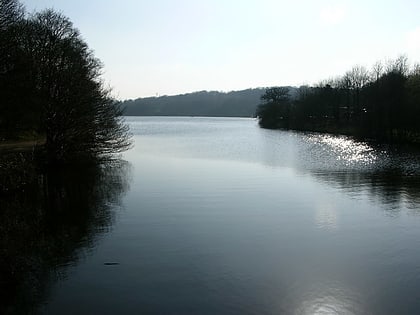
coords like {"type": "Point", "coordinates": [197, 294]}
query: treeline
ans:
{"type": "Point", "coordinates": [51, 89]}
{"type": "Point", "coordinates": [216, 104]}
{"type": "Point", "coordinates": [382, 104]}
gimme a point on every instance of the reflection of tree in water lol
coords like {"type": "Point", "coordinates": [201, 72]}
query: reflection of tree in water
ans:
{"type": "Point", "coordinates": [45, 226]}
{"type": "Point", "coordinates": [391, 187]}
{"type": "Point", "coordinates": [387, 173]}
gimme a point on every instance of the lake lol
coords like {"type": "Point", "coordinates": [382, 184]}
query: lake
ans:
{"type": "Point", "coordinates": [219, 216]}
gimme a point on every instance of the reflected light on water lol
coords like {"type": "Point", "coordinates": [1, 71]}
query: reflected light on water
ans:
{"type": "Point", "coordinates": [328, 305]}
{"type": "Point", "coordinates": [326, 217]}
{"type": "Point", "coordinates": [347, 149]}
{"type": "Point", "coordinates": [330, 298]}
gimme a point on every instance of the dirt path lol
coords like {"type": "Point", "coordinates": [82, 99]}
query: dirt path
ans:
{"type": "Point", "coordinates": [20, 145]}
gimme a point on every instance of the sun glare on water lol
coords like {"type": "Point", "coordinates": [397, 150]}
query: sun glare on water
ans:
{"type": "Point", "coordinates": [346, 149]}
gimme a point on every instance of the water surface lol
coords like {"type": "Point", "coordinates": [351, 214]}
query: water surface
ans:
{"type": "Point", "coordinates": [222, 217]}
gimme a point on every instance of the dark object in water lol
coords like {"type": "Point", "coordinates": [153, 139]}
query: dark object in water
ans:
{"type": "Point", "coordinates": [111, 263]}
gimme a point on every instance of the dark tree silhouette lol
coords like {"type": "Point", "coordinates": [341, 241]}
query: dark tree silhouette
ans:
{"type": "Point", "coordinates": [273, 112]}
{"type": "Point", "coordinates": [13, 65]}
{"type": "Point", "coordinates": [52, 85]}
{"type": "Point", "coordinates": [382, 105]}
{"type": "Point", "coordinates": [11, 12]}
{"type": "Point", "coordinates": [412, 90]}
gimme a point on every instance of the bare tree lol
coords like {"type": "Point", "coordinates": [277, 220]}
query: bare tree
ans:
{"type": "Point", "coordinates": [60, 78]}
{"type": "Point", "coordinates": [11, 11]}
{"type": "Point", "coordinates": [80, 118]}
{"type": "Point", "coordinates": [377, 71]}
{"type": "Point", "coordinates": [399, 65]}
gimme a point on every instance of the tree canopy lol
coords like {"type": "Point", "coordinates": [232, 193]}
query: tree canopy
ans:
{"type": "Point", "coordinates": [382, 104]}
{"type": "Point", "coordinates": [50, 84]}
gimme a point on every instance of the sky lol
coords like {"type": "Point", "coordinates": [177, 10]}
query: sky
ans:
{"type": "Point", "coordinates": [168, 47]}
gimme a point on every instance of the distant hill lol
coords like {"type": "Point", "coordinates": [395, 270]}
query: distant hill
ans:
{"type": "Point", "coordinates": [217, 104]}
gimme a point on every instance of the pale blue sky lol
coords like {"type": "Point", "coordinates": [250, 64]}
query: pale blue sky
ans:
{"type": "Point", "coordinates": [171, 47]}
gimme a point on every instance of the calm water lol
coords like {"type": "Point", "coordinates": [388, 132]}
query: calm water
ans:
{"type": "Point", "coordinates": [218, 216]}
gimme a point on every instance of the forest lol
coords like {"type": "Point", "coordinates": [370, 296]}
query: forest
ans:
{"type": "Point", "coordinates": [382, 104]}
{"type": "Point", "coordinates": [204, 103]}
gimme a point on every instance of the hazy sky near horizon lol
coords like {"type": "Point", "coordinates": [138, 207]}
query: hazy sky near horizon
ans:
{"type": "Point", "coordinates": [165, 47]}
